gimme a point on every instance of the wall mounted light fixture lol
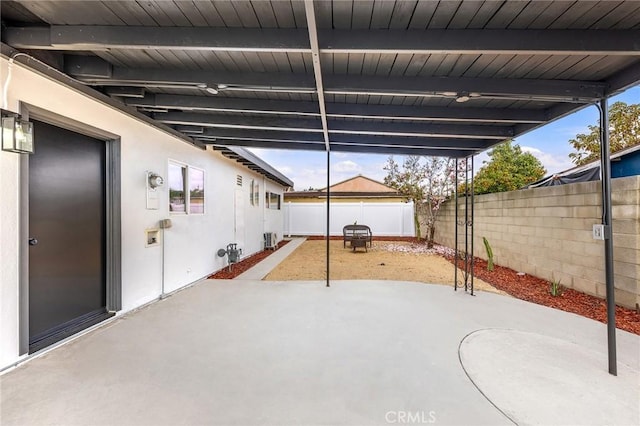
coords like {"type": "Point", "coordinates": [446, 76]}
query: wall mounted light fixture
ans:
{"type": "Point", "coordinates": [17, 134]}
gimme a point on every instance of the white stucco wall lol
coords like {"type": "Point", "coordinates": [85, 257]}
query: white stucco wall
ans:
{"type": "Point", "coordinates": [192, 242]}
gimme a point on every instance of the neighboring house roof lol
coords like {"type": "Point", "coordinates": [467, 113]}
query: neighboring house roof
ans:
{"type": "Point", "coordinates": [255, 163]}
{"type": "Point", "coordinates": [361, 184]}
{"type": "Point", "coordinates": [321, 194]}
{"type": "Point", "coordinates": [355, 187]}
{"type": "Point", "coordinates": [591, 171]}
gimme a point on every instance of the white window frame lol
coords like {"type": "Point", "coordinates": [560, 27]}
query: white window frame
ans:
{"type": "Point", "coordinates": [204, 190]}
{"type": "Point", "coordinates": [187, 188]}
{"type": "Point", "coordinates": [268, 204]}
{"type": "Point", "coordinates": [184, 186]}
{"type": "Point", "coordinates": [256, 195]}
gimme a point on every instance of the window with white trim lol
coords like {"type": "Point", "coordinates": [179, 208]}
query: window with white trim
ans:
{"type": "Point", "coordinates": [186, 188]}
{"type": "Point", "coordinates": [196, 191]}
{"type": "Point", "coordinates": [254, 194]}
{"type": "Point", "coordinates": [177, 189]}
{"type": "Point", "coordinates": [272, 200]}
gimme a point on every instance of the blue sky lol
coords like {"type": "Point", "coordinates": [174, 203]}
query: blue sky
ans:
{"type": "Point", "coordinates": [550, 144]}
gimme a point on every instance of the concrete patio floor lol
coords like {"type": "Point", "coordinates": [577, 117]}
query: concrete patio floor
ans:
{"type": "Point", "coordinates": [248, 352]}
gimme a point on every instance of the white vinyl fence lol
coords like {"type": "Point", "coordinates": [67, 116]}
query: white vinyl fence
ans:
{"type": "Point", "coordinates": [384, 219]}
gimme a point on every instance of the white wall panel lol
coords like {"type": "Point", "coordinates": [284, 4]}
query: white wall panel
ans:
{"type": "Point", "coordinates": [384, 219]}
{"type": "Point", "coordinates": [192, 242]}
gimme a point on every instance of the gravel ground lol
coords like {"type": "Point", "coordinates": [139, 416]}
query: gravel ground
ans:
{"type": "Point", "coordinates": [384, 261]}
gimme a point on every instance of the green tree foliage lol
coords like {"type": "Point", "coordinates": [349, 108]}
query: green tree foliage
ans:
{"type": "Point", "coordinates": [424, 180]}
{"type": "Point", "coordinates": [508, 169]}
{"type": "Point", "coordinates": [624, 131]}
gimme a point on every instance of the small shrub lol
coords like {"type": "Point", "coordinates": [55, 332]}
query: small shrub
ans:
{"type": "Point", "coordinates": [555, 288]}
{"type": "Point", "coordinates": [489, 254]}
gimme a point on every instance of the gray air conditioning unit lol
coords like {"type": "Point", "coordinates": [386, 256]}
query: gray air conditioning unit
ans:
{"type": "Point", "coordinates": [270, 240]}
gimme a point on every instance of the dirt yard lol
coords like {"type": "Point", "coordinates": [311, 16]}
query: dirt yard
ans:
{"type": "Point", "coordinates": [400, 261]}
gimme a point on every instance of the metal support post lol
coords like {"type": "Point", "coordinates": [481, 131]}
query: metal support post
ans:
{"type": "Point", "coordinates": [605, 168]}
{"type": "Point", "coordinates": [471, 224]}
{"type": "Point", "coordinates": [455, 251]}
{"type": "Point", "coordinates": [466, 225]}
{"type": "Point", "coordinates": [328, 210]}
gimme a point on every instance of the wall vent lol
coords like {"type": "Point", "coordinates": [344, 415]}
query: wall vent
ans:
{"type": "Point", "coordinates": [238, 180]}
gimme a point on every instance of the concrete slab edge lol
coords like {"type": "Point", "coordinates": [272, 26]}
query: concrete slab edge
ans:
{"type": "Point", "coordinates": [471, 379]}
{"type": "Point", "coordinates": [262, 269]}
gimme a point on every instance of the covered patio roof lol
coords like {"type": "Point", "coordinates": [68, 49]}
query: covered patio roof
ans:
{"type": "Point", "coordinates": [449, 78]}
{"type": "Point", "coordinates": [406, 77]}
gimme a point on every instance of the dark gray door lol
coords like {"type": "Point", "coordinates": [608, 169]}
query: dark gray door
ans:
{"type": "Point", "coordinates": [67, 286]}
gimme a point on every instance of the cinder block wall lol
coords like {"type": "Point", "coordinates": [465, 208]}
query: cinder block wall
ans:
{"type": "Point", "coordinates": [547, 232]}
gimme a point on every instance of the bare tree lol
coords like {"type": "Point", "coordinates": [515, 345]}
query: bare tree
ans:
{"type": "Point", "coordinates": [427, 181]}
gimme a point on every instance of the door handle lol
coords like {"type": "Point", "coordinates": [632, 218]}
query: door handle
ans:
{"type": "Point", "coordinates": [33, 241]}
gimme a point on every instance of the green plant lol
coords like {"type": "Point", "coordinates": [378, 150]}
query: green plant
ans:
{"type": "Point", "coordinates": [489, 254]}
{"type": "Point", "coordinates": [555, 288]}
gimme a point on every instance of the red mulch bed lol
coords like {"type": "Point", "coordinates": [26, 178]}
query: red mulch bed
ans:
{"type": "Point", "coordinates": [244, 264]}
{"type": "Point", "coordinates": [536, 290]}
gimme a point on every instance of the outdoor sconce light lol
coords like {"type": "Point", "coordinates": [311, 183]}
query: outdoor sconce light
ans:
{"type": "Point", "coordinates": [155, 180]}
{"type": "Point", "coordinates": [17, 134]}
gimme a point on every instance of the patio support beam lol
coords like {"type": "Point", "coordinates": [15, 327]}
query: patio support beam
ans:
{"type": "Point", "coordinates": [253, 143]}
{"type": "Point", "coordinates": [422, 130]}
{"type": "Point", "coordinates": [218, 104]}
{"type": "Point", "coordinates": [448, 114]}
{"type": "Point", "coordinates": [96, 71]}
{"type": "Point", "coordinates": [370, 127]}
{"type": "Point", "coordinates": [92, 72]}
{"type": "Point", "coordinates": [554, 113]}
{"type": "Point", "coordinates": [317, 71]}
{"type": "Point", "coordinates": [240, 122]}
{"type": "Point", "coordinates": [463, 144]}
{"type": "Point", "coordinates": [337, 147]}
{"type": "Point", "coordinates": [125, 92]}
{"type": "Point", "coordinates": [334, 110]}
{"type": "Point", "coordinates": [96, 37]}
{"type": "Point", "coordinates": [266, 135]}
{"type": "Point", "coordinates": [193, 130]}
{"type": "Point", "coordinates": [488, 88]}
{"type": "Point", "coordinates": [399, 150]}
{"type": "Point", "coordinates": [344, 139]}
{"type": "Point", "coordinates": [484, 41]}
{"type": "Point", "coordinates": [605, 171]}
{"type": "Point", "coordinates": [624, 79]}
{"type": "Point", "coordinates": [460, 41]}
